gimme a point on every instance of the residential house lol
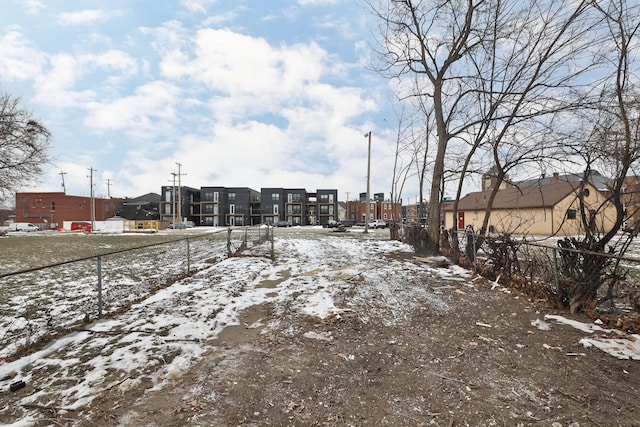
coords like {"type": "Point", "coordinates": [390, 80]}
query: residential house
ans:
{"type": "Point", "coordinates": [142, 208]}
{"type": "Point", "coordinates": [545, 209]}
{"type": "Point", "coordinates": [631, 201]}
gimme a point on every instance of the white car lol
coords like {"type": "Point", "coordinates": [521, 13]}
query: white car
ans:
{"type": "Point", "coordinates": [378, 223]}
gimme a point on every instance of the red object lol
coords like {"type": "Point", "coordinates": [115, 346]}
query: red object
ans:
{"type": "Point", "coordinates": [460, 220]}
{"type": "Point", "coordinates": [81, 226]}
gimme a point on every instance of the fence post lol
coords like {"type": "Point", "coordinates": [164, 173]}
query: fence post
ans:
{"type": "Point", "coordinates": [229, 242]}
{"type": "Point", "coordinates": [273, 253]}
{"type": "Point", "coordinates": [188, 257]}
{"type": "Point", "coordinates": [475, 250]}
{"type": "Point", "coordinates": [99, 286]}
{"type": "Point", "coordinates": [555, 269]}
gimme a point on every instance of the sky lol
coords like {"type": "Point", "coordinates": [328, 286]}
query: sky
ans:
{"type": "Point", "coordinates": [248, 93]}
{"type": "Point", "coordinates": [310, 278]}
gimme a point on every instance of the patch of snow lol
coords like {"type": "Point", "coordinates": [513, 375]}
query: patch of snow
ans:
{"type": "Point", "coordinates": [622, 347]}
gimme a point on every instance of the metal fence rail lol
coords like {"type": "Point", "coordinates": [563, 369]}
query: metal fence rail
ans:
{"type": "Point", "coordinates": [39, 303]}
{"type": "Point", "coordinates": [541, 268]}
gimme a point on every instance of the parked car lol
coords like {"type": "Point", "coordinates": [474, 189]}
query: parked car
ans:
{"type": "Point", "coordinates": [347, 223]}
{"type": "Point", "coordinates": [23, 226]}
{"type": "Point", "coordinates": [331, 224]}
{"type": "Point", "coordinates": [378, 223]}
{"type": "Point", "coordinates": [282, 224]}
{"type": "Point", "coordinates": [181, 225]}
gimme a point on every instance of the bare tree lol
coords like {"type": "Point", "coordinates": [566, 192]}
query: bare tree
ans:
{"type": "Point", "coordinates": [401, 172]}
{"type": "Point", "coordinates": [24, 142]}
{"type": "Point", "coordinates": [427, 39]}
{"type": "Point", "coordinates": [611, 143]}
{"type": "Point", "coordinates": [490, 69]}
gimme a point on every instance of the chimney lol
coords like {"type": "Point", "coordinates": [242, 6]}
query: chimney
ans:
{"type": "Point", "coordinates": [556, 178]}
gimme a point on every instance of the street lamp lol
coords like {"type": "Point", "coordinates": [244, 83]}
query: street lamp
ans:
{"type": "Point", "coordinates": [368, 207]}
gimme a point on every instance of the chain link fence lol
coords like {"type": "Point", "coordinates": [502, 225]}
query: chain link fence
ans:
{"type": "Point", "coordinates": [42, 302]}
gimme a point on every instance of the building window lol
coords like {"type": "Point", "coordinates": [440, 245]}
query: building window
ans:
{"type": "Point", "coordinates": [232, 197]}
{"type": "Point", "coordinates": [53, 206]}
{"type": "Point", "coordinates": [275, 209]}
{"type": "Point", "coordinates": [571, 214]}
{"type": "Point", "coordinates": [232, 209]}
{"type": "Point", "coordinates": [324, 198]}
{"type": "Point", "coordinates": [275, 196]}
{"type": "Point", "coordinates": [216, 196]}
{"type": "Point", "coordinates": [294, 209]}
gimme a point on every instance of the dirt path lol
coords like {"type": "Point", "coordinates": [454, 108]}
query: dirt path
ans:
{"type": "Point", "coordinates": [410, 345]}
{"type": "Point", "coordinates": [469, 356]}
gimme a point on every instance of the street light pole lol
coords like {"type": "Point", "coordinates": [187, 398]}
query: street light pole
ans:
{"type": "Point", "coordinates": [368, 207]}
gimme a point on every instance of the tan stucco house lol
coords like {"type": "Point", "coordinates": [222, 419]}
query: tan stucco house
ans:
{"type": "Point", "coordinates": [550, 209]}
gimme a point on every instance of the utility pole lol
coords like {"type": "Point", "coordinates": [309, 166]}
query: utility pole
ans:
{"type": "Point", "coordinates": [93, 200]}
{"type": "Point", "coordinates": [108, 188]}
{"type": "Point", "coordinates": [173, 198]}
{"type": "Point", "coordinates": [64, 189]}
{"type": "Point", "coordinates": [368, 207]}
{"type": "Point", "coordinates": [179, 193]}
{"type": "Point", "coordinates": [346, 206]}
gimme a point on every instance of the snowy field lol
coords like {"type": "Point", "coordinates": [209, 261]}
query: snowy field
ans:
{"type": "Point", "coordinates": [163, 335]}
{"type": "Point", "coordinates": [43, 302]}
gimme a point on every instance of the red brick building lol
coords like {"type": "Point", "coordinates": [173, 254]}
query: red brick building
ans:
{"type": "Point", "coordinates": [50, 210]}
{"type": "Point", "coordinates": [381, 209]}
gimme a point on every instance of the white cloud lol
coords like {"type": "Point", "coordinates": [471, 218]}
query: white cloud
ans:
{"type": "Point", "coordinates": [197, 6]}
{"type": "Point", "coordinates": [55, 87]}
{"type": "Point", "coordinates": [86, 17]}
{"type": "Point", "coordinates": [317, 2]}
{"type": "Point", "coordinates": [21, 60]}
{"type": "Point", "coordinates": [33, 6]}
{"type": "Point", "coordinates": [147, 113]}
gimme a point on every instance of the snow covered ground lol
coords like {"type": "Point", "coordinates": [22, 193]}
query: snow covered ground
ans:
{"type": "Point", "coordinates": [163, 335]}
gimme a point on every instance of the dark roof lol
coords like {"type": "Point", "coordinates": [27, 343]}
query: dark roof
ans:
{"type": "Point", "coordinates": [594, 178]}
{"type": "Point", "coordinates": [146, 198]}
{"type": "Point", "coordinates": [513, 198]}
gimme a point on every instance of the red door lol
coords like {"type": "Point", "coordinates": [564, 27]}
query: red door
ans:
{"type": "Point", "coordinates": [460, 220]}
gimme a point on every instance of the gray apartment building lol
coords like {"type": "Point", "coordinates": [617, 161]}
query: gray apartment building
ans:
{"type": "Point", "coordinates": [179, 203]}
{"type": "Point", "coordinates": [220, 206]}
{"type": "Point", "coordinates": [230, 206]}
